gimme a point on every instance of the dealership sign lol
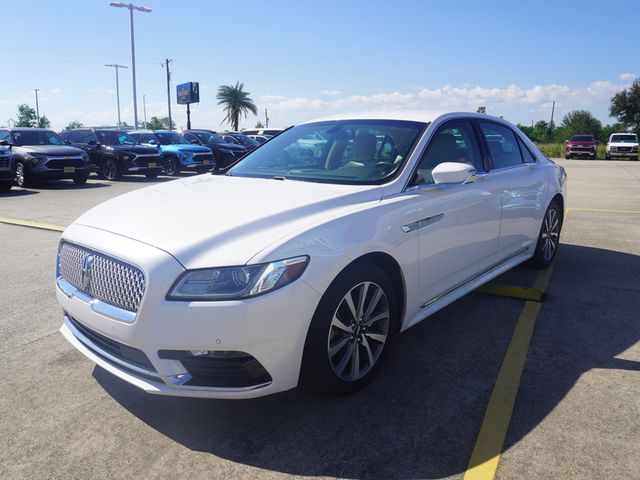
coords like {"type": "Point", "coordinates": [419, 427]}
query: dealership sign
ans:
{"type": "Point", "coordinates": [188, 93]}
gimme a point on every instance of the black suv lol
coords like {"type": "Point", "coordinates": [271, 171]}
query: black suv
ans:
{"type": "Point", "coordinates": [114, 153]}
{"type": "Point", "coordinates": [7, 167]}
{"type": "Point", "coordinates": [224, 153]}
{"type": "Point", "coordinates": [40, 154]}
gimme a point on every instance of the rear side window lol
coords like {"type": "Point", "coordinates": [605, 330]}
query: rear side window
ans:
{"type": "Point", "coordinates": [502, 144]}
{"type": "Point", "coordinates": [453, 142]}
{"type": "Point", "coordinates": [526, 153]}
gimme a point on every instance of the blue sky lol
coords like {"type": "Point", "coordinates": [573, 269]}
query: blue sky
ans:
{"type": "Point", "coordinates": [303, 59]}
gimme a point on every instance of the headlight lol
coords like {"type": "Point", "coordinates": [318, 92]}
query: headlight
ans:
{"type": "Point", "coordinates": [184, 155]}
{"type": "Point", "coordinates": [36, 157]}
{"type": "Point", "coordinates": [126, 157]}
{"type": "Point", "coordinates": [85, 157]}
{"type": "Point", "coordinates": [235, 283]}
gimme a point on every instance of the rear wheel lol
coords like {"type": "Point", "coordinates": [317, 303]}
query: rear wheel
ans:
{"type": "Point", "coordinates": [549, 238]}
{"type": "Point", "coordinates": [351, 332]}
{"type": "Point", "coordinates": [110, 169]}
{"type": "Point", "coordinates": [567, 157]}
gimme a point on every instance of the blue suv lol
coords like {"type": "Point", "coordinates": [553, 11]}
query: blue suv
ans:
{"type": "Point", "coordinates": [178, 153]}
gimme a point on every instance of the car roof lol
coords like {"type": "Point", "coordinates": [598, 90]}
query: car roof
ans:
{"type": "Point", "coordinates": [30, 129]}
{"type": "Point", "coordinates": [140, 131]}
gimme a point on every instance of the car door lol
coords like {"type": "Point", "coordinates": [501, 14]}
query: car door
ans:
{"type": "Point", "coordinates": [524, 188]}
{"type": "Point", "coordinates": [458, 224]}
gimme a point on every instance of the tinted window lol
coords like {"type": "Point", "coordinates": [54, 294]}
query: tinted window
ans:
{"type": "Point", "coordinates": [348, 151]}
{"type": "Point", "coordinates": [191, 137]}
{"type": "Point", "coordinates": [171, 138]}
{"type": "Point", "coordinates": [144, 137]}
{"type": "Point", "coordinates": [115, 138]}
{"type": "Point", "coordinates": [36, 137]}
{"type": "Point", "coordinates": [453, 142]}
{"type": "Point", "coordinates": [207, 137]}
{"type": "Point", "coordinates": [526, 153]}
{"type": "Point", "coordinates": [502, 144]}
{"type": "Point", "coordinates": [4, 135]}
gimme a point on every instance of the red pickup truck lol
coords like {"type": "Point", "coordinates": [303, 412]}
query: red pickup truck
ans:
{"type": "Point", "coordinates": [581, 145]}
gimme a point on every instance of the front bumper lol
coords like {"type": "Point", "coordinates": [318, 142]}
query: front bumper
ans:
{"type": "Point", "coordinates": [615, 153]}
{"type": "Point", "coordinates": [271, 328]}
{"type": "Point", "coordinates": [581, 152]}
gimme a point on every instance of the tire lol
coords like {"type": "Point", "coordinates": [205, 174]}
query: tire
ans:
{"type": "Point", "coordinates": [634, 158]}
{"type": "Point", "coordinates": [608, 157]}
{"type": "Point", "coordinates": [110, 169]}
{"type": "Point", "coordinates": [81, 179]}
{"type": "Point", "coordinates": [152, 174]}
{"type": "Point", "coordinates": [342, 355]}
{"type": "Point", "coordinates": [22, 179]}
{"type": "Point", "coordinates": [548, 238]}
{"type": "Point", "coordinates": [171, 167]}
{"type": "Point", "coordinates": [594, 156]}
{"type": "Point", "coordinates": [5, 186]}
{"type": "Point", "coordinates": [567, 157]}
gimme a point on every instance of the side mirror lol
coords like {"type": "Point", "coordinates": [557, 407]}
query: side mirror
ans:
{"type": "Point", "coordinates": [152, 142]}
{"type": "Point", "coordinates": [452, 172]}
{"type": "Point", "coordinates": [4, 143]}
{"type": "Point", "coordinates": [67, 142]}
{"type": "Point", "coordinates": [92, 143]}
{"type": "Point", "coordinates": [195, 142]}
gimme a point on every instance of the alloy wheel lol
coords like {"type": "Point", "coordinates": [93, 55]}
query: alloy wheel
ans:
{"type": "Point", "coordinates": [109, 169]}
{"type": "Point", "coordinates": [20, 175]}
{"type": "Point", "coordinates": [550, 234]}
{"type": "Point", "coordinates": [358, 331]}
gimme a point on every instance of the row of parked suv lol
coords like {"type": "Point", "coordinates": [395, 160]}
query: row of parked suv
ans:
{"type": "Point", "coordinates": [620, 145]}
{"type": "Point", "coordinates": [31, 154]}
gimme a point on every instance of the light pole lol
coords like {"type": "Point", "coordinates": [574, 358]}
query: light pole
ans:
{"type": "Point", "coordinates": [131, 8]}
{"type": "Point", "coordinates": [116, 66]}
{"type": "Point", "coordinates": [37, 108]}
{"type": "Point", "coordinates": [144, 108]}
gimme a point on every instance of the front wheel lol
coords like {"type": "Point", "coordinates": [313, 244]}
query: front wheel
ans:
{"type": "Point", "coordinates": [171, 166]}
{"type": "Point", "coordinates": [22, 180]}
{"type": "Point", "coordinates": [110, 169]}
{"type": "Point", "coordinates": [548, 239]}
{"type": "Point", "coordinates": [351, 331]}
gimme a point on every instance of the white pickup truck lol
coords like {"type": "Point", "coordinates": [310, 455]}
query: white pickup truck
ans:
{"type": "Point", "coordinates": [622, 145]}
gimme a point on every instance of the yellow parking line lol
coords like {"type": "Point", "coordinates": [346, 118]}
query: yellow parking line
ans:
{"type": "Point", "coordinates": [603, 210]}
{"type": "Point", "coordinates": [511, 291]}
{"type": "Point", "coordinates": [485, 458]}
{"type": "Point", "coordinates": [32, 224]}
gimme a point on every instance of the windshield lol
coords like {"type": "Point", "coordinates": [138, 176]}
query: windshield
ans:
{"type": "Point", "coordinates": [624, 138]}
{"type": "Point", "coordinates": [247, 141]}
{"type": "Point", "coordinates": [582, 138]}
{"type": "Point", "coordinates": [352, 152]}
{"type": "Point", "coordinates": [145, 137]}
{"type": "Point", "coordinates": [207, 137]}
{"type": "Point", "coordinates": [171, 138]}
{"type": "Point", "coordinates": [36, 137]}
{"type": "Point", "coordinates": [115, 138]}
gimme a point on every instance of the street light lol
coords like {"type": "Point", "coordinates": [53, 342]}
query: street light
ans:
{"type": "Point", "coordinates": [116, 66]}
{"type": "Point", "coordinates": [131, 8]}
{"type": "Point", "coordinates": [37, 108]}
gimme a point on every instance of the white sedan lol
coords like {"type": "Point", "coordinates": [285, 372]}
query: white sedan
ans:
{"type": "Point", "coordinates": [299, 266]}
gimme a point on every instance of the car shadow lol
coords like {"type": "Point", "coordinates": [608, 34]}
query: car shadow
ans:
{"type": "Point", "coordinates": [66, 185]}
{"type": "Point", "coordinates": [15, 192]}
{"type": "Point", "coordinates": [420, 417]}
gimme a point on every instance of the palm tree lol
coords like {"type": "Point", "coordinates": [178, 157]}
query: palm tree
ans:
{"type": "Point", "coordinates": [236, 102]}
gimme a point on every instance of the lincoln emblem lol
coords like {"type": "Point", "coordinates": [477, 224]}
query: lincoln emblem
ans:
{"type": "Point", "coordinates": [87, 261]}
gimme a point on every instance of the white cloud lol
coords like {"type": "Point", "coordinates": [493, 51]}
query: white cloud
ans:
{"type": "Point", "coordinates": [625, 77]}
{"type": "Point", "coordinates": [55, 91]}
{"type": "Point", "coordinates": [330, 93]}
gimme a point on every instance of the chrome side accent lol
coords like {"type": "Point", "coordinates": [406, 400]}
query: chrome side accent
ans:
{"type": "Point", "coordinates": [423, 222]}
{"type": "Point", "coordinates": [469, 280]}
{"type": "Point", "coordinates": [96, 305]}
{"type": "Point", "coordinates": [89, 344]}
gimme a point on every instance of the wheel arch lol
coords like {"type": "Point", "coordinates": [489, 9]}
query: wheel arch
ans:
{"type": "Point", "coordinates": [559, 199]}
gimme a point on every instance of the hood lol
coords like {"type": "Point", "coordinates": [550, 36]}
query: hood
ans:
{"type": "Point", "coordinates": [623, 144]}
{"type": "Point", "coordinates": [135, 149]}
{"type": "Point", "coordinates": [216, 220]}
{"type": "Point", "coordinates": [53, 150]}
{"type": "Point", "coordinates": [186, 147]}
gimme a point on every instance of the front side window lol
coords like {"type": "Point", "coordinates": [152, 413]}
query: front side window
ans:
{"type": "Point", "coordinates": [453, 142]}
{"type": "Point", "coordinates": [502, 144]}
{"type": "Point", "coordinates": [36, 137]}
{"type": "Point", "coordinates": [145, 137]}
{"type": "Point", "coordinates": [342, 151]}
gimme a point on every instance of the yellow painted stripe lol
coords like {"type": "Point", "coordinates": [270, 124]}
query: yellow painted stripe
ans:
{"type": "Point", "coordinates": [511, 291]}
{"type": "Point", "coordinates": [32, 224]}
{"type": "Point", "coordinates": [485, 457]}
{"type": "Point", "coordinates": [604, 210]}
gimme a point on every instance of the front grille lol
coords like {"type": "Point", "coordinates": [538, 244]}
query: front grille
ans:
{"type": "Point", "coordinates": [4, 162]}
{"type": "Point", "coordinates": [143, 161]}
{"type": "Point", "coordinates": [624, 149]}
{"type": "Point", "coordinates": [110, 280]}
{"type": "Point", "coordinates": [119, 350]}
{"type": "Point", "coordinates": [64, 162]}
{"type": "Point", "coordinates": [201, 157]}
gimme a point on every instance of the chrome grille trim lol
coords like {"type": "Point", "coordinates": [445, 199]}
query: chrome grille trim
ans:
{"type": "Point", "coordinates": [111, 281]}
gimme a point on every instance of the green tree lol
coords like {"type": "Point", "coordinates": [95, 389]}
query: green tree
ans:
{"type": "Point", "coordinates": [73, 124]}
{"type": "Point", "coordinates": [27, 118]}
{"type": "Point", "coordinates": [236, 102]}
{"type": "Point", "coordinates": [259, 125]}
{"type": "Point", "coordinates": [526, 130]}
{"type": "Point", "coordinates": [158, 124]}
{"type": "Point", "coordinates": [581, 122]}
{"type": "Point", "coordinates": [607, 130]}
{"type": "Point", "coordinates": [625, 106]}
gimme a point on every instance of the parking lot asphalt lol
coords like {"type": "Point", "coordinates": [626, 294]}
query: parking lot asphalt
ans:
{"type": "Point", "coordinates": [575, 416]}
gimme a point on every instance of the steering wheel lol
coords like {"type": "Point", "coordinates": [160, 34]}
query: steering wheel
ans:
{"type": "Point", "coordinates": [386, 167]}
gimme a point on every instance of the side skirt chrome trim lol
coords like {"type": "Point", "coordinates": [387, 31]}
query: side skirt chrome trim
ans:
{"type": "Point", "coordinates": [475, 277]}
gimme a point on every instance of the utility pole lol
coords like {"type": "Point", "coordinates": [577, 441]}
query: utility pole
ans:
{"type": "Point", "coordinates": [553, 107]}
{"type": "Point", "coordinates": [167, 61]}
{"type": "Point", "coordinates": [116, 66]}
{"type": "Point", "coordinates": [37, 108]}
{"type": "Point", "coordinates": [144, 107]}
{"type": "Point", "coordinates": [266, 119]}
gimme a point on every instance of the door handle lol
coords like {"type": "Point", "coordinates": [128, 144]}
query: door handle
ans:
{"type": "Point", "coordinates": [423, 222]}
